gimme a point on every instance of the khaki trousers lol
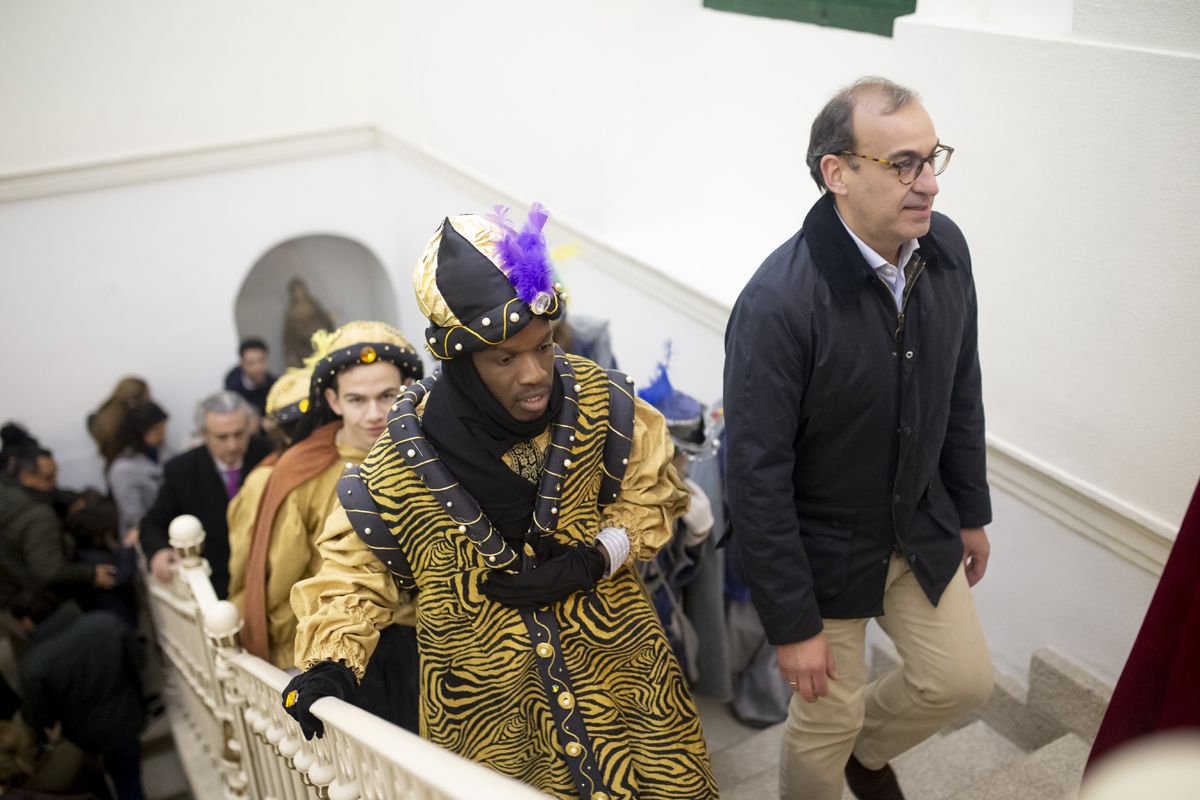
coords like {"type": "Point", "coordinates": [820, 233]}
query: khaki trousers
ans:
{"type": "Point", "coordinates": [945, 671]}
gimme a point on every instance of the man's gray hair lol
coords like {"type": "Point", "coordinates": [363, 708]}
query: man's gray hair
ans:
{"type": "Point", "coordinates": [833, 129]}
{"type": "Point", "coordinates": [224, 402]}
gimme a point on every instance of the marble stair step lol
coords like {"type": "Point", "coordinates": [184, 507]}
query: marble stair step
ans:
{"type": "Point", "coordinates": [1051, 772]}
{"type": "Point", "coordinates": [163, 777]}
{"type": "Point", "coordinates": [933, 770]}
{"type": "Point", "coordinates": [949, 761]}
{"type": "Point", "coordinates": [743, 765]}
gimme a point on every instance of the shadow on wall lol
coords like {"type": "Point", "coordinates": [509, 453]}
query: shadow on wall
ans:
{"type": "Point", "coordinates": [339, 280]}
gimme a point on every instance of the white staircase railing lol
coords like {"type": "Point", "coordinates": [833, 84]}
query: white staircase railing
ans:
{"type": "Point", "coordinates": [228, 702]}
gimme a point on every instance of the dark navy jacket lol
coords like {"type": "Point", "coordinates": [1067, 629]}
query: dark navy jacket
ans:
{"type": "Point", "coordinates": [853, 430]}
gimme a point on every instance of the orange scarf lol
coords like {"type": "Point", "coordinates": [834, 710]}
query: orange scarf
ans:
{"type": "Point", "coordinates": [299, 463]}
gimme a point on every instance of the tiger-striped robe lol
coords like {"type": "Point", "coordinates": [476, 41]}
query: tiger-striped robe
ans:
{"type": "Point", "coordinates": [584, 699]}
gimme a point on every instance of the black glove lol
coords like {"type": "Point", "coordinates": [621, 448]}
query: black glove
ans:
{"type": "Point", "coordinates": [326, 679]}
{"type": "Point", "coordinates": [563, 570]}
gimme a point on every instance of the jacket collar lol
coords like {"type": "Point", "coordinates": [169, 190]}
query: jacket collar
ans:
{"type": "Point", "coordinates": [838, 259]}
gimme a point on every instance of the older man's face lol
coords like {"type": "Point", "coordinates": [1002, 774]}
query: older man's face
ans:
{"type": "Point", "coordinates": [227, 436]}
{"type": "Point", "coordinates": [882, 211]}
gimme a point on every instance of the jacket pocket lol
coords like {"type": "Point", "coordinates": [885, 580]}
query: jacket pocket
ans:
{"type": "Point", "coordinates": [827, 545]}
{"type": "Point", "coordinates": [937, 505]}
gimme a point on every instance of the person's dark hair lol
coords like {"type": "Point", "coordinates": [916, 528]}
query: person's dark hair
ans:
{"type": "Point", "coordinates": [251, 343]}
{"type": "Point", "coordinates": [19, 452]}
{"type": "Point", "coordinates": [92, 520]}
{"type": "Point", "coordinates": [833, 129]}
{"type": "Point", "coordinates": [138, 422]}
{"type": "Point", "coordinates": [36, 604]}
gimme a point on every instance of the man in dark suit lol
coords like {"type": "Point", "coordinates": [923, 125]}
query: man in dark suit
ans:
{"type": "Point", "coordinates": [201, 482]}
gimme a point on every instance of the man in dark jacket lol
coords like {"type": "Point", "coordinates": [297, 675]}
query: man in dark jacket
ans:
{"type": "Point", "coordinates": [81, 671]}
{"type": "Point", "coordinates": [250, 378]}
{"type": "Point", "coordinates": [857, 482]}
{"type": "Point", "coordinates": [201, 481]}
{"type": "Point", "coordinates": [33, 551]}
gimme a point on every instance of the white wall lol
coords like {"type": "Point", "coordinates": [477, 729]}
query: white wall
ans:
{"type": "Point", "coordinates": [82, 81]}
{"type": "Point", "coordinates": [664, 131]}
{"type": "Point", "coordinates": [143, 279]}
{"type": "Point", "coordinates": [1071, 179]}
{"type": "Point", "coordinates": [676, 133]}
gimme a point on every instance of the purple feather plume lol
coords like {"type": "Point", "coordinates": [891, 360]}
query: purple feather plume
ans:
{"type": "Point", "coordinates": [523, 255]}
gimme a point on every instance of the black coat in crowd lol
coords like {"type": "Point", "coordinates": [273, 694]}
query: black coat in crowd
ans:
{"type": "Point", "coordinates": [256, 397]}
{"type": "Point", "coordinates": [192, 485]}
{"type": "Point", "coordinates": [851, 434]}
{"type": "Point", "coordinates": [82, 670]}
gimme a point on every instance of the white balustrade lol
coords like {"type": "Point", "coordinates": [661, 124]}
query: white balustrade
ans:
{"type": "Point", "coordinates": [230, 703]}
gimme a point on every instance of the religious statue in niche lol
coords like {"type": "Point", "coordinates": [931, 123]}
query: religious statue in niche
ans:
{"type": "Point", "coordinates": [304, 316]}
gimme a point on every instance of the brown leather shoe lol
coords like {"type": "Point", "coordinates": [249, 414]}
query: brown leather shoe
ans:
{"type": "Point", "coordinates": [872, 784]}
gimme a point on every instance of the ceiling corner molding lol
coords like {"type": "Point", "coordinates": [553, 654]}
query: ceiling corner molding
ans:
{"type": "Point", "coordinates": [1135, 537]}
{"type": "Point", "coordinates": [108, 174]}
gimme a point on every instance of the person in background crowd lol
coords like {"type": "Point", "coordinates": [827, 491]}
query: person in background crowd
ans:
{"type": "Point", "coordinates": [57, 771]}
{"type": "Point", "coordinates": [250, 378]}
{"type": "Point", "coordinates": [287, 403]}
{"type": "Point", "coordinates": [856, 460]}
{"type": "Point", "coordinates": [201, 482]}
{"type": "Point", "coordinates": [136, 474]}
{"type": "Point", "coordinates": [105, 424]}
{"type": "Point", "coordinates": [80, 672]}
{"type": "Point", "coordinates": [34, 549]}
{"type": "Point", "coordinates": [514, 505]}
{"type": "Point", "coordinates": [92, 522]}
{"type": "Point", "coordinates": [356, 374]}
{"type": "Point", "coordinates": [676, 565]}
{"type": "Point", "coordinates": [34, 469]}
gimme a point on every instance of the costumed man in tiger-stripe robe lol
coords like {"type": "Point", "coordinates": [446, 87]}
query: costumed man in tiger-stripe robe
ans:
{"type": "Point", "coordinates": [510, 497]}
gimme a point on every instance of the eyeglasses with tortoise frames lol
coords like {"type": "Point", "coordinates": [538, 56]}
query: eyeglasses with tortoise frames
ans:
{"type": "Point", "coordinates": [908, 170]}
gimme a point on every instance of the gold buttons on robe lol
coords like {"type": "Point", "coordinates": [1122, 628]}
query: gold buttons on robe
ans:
{"type": "Point", "coordinates": [574, 749]}
{"type": "Point", "coordinates": [599, 796]}
{"type": "Point", "coordinates": [544, 650]}
{"type": "Point", "coordinates": [566, 700]}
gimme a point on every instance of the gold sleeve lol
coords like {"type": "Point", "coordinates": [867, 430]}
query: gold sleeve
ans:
{"type": "Point", "coordinates": [243, 509]}
{"type": "Point", "coordinates": [652, 495]}
{"type": "Point", "coordinates": [343, 607]}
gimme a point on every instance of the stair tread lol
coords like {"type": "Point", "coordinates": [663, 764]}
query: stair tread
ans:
{"type": "Point", "coordinates": [749, 758]}
{"type": "Point", "coordinates": [946, 762]}
{"type": "Point", "coordinates": [1051, 772]}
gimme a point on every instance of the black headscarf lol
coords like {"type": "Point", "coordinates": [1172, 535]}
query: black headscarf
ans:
{"type": "Point", "coordinates": [471, 432]}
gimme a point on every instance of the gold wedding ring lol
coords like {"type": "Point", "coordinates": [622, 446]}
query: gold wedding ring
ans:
{"type": "Point", "coordinates": [291, 699]}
